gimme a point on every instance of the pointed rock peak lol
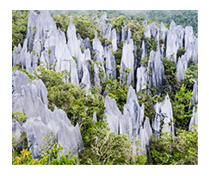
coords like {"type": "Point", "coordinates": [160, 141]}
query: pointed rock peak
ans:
{"type": "Point", "coordinates": [162, 25]}
{"type": "Point", "coordinates": [95, 35]}
{"type": "Point", "coordinates": [172, 25]}
{"type": "Point", "coordinates": [131, 94]}
{"type": "Point", "coordinates": [95, 116]}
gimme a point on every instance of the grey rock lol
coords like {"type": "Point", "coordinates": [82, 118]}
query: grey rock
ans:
{"type": "Point", "coordinates": [134, 112]}
{"type": "Point", "coordinates": [163, 35]}
{"type": "Point", "coordinates": [17, 128]}
{"type": "Point", "coordinates": [144, 136]}
{"type": "Point", "coordinates": [194, 99]}
{"type": "Point", "coordinates": [181, 67]}
{"type": "Point", "coordinates": [171, 45]}
{"type": "Point", "coordinates": [194, 119]}
{"type": "Point", "coordinates": [70, 139]}
{"type": "Point", "coordinates": [127, 61]}
{"type": "Point", "coordinates": [95, 116]}
{"type": "Point", "coordinates": [155, 71]}
{"type": "Point", "coordinates": [141, 83]}
{"type": "Point", "coordinates": [114, 39]}
{"type": "Point", "coordinates": [172, 25]}
{"type": "Point", "coordinates": [110, 65]}
{"type": "Point", "coordinates": [163, 112]}
{"type": "Point", "coordinates": [147, 33]}
{"type": "Point", "coordinates": [113, 114]}
{"type": "Point", "coordinates": [18, 79]}
{"type": "Point", "coordinates": [31, 99]}
{"type": "Point", "coordinates": [36, 131]}
{"type": "Point", "coordinates": [189, 36]}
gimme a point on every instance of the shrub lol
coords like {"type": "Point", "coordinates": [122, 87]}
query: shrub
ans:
{"type": "Point", "coordinates": [19, 116]}
{"type": "Point", "coordinates": [177, 150]}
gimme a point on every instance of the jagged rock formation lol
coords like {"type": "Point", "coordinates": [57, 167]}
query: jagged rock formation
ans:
{"type": "Point", "coordinates": [130, 122]}
{"type": "Point", "coordinates": [31, 99]}
{"type": "Point", "coordinates": [164, 114]}
{"type": "Point", "coordinates": [141, 83]}
{"type": "Point", "coordinates": [127, 61]}
{"type": "Point", "coordinates": [194, 119]}
{"type": "Point", "coordinates": [45, 43]}
{"type": "Point", "coordinates": [155, 71]}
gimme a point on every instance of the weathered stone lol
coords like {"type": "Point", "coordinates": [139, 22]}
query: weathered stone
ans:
{"type": "Point", "coordinates": [113, 114]}
{"type": "Point", "coordinates": [127, 61]}
{"type": "Point", "coordinates": [162, 36]}
{"type": "Point", "coordinates": [70, 138]}
{"type": "Point", "coordinates": [194, 119]}
{"type": "Point", "coordinates": [17, 128]}
{"type": "Point", "coordinates": [189, 36]}
{"type": "Point", "coordinates": [147, 33]}
{"type": "Point", "coordinates": [110, 65]}
{"type": "Point", "coordinates": [31, 99]}
{"type": "Point", "coordinates": [155, 71]}
{"type": "Point", "coordinates": [95, 116]}
{"type": "Point", "coordinates": [163, 112]}
{"type": "Point", "coordinates": [181, 67]}
{"type": "Point", "coordinates": [114, 40]}
{"type": "Point", "coordinates": [194, 100]}
{"type": "Point", "coordinates": [171, 45]}
{"type": "Point", "coordinates": [18, 79]}
{"type": "Point", "coordinates": [133, 111]}
{"type": "Point", "coordinates": [141, 83]}
{"type": "Point", "coordinates": [144, 136]}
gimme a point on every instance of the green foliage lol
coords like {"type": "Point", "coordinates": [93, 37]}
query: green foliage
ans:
{"type": "Point", "coordinates": [177, 150]}
{"type": "Point", "coordinates": [180, 106]}
{"type": "Point", "coordinates": [86, 26]}
{"type": "Point", "coordinates": [118, 23]}
{"type": "Point", "coordinates": [170, 77]}
{"type": "Point", "coordinates": [19, 116]}
{"type": "Point", "coordinates": [144, 61]}
{"type": "Point", "coordinates": [151, 44]}
{"type": "Point", "coordinates": [191, 75]}
{"type": "Point", "coordinates": [50, 150]}
{"type": "Point", "coordinates": [34, 28]}
{"type": "Point", "coordinates": [19, 26]}
{"type": "Point", "coordinates": [117, 90]}
{"type": "Point", "coordinates": [19, 145]}
{"type": "Point", "coordinates": [109, 148]}
{"type": "Point", "coordinates": [25, 159]}
{"type": "Point", "coordinates": [75, 102]}
{"type": "Point", "coordinates": [50, 78]}
{"type": "Point", "coordinates": [180, 52]}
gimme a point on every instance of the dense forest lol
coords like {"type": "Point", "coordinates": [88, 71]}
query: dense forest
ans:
{"type": "Point", "coordinates": [105, 87]}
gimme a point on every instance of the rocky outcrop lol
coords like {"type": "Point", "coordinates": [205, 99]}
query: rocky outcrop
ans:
{"type": "Point", "coordinates": [127, 62]}
{"type": "Point", "coordinates": [31, 99]}
{"type": "Point", "coordinates": [113, 114]}
{"type": "Point", "coordinates": [155, 71]}
{"type": "Point", "coordinates": [130, 122]}
{"type": "Point", "coordinates": [181, 67]}
{"type": "Point", "coordinates": [164, 114]}
{"type": "Point", "coordinates": [194, 119]}
{"type": "Point", "coordinates": [110, 65]}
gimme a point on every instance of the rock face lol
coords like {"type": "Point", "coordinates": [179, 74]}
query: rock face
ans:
{"type": "Point", "coordinates": [194, 119]}
{"type": "Point", "coordinates": [127, 62]}
{"type": "Point", "coordinates": [113, 114]}
{"type": "Point", "coordinates": [141, 79]}
{"type": "Point", "coordinates": [164, 113]}
{"type": "Point", "coordinates": [130, 122]}
{"type": "Point", "coordinates": [155, 71]}
{"type": "Point", "coordinates": [31, 99]}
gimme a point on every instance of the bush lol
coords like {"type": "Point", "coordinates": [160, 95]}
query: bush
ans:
{"type": "Point", "coordinates": [19, 116]}
{"type": "Point", "coordinates": [178, 150]}
{"type": "Point", "coordinates": [109, 148]}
